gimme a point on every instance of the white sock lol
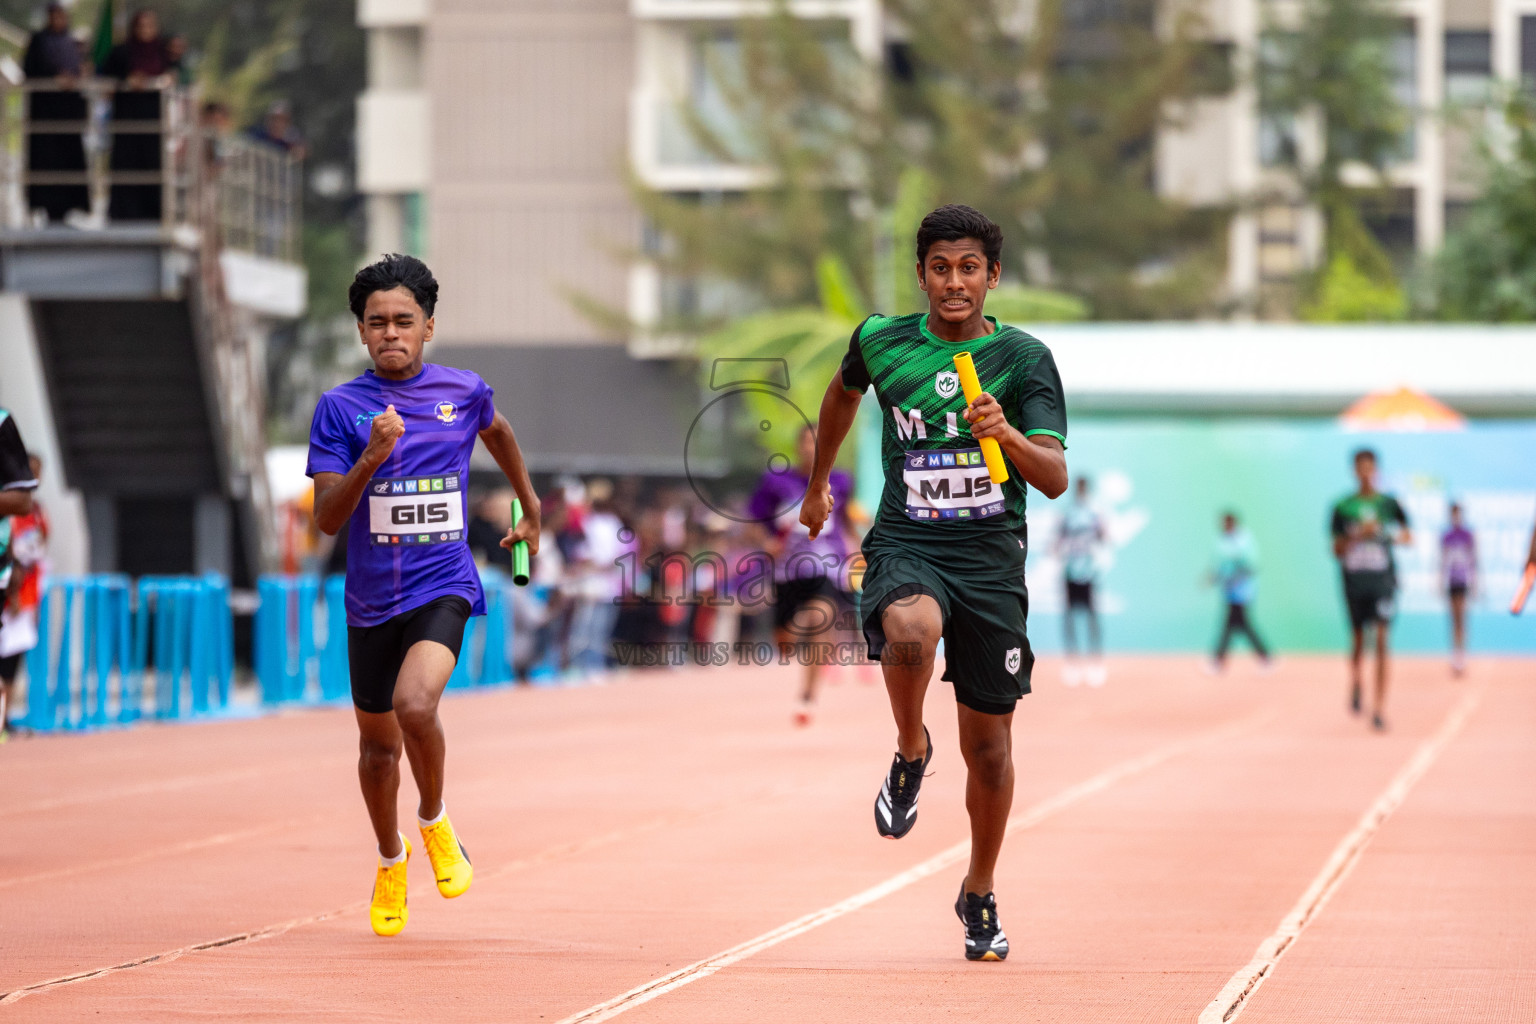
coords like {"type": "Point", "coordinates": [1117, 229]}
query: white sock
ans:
{"type": "Point", "coordinates": [389, 862]}
{"type": "Point", "coordinates": [441, 814]}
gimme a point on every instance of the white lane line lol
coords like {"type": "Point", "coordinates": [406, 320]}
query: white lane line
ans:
{"type": "Point", "coordinates": [1235, 994]}
{"type": "Point", "coordinates": [176, 954]}
{"type": "Point", "coordinates": [552, 854]}
{"type": "Point", "coordinates": [159, 852]}
{"type": "Point", "coordinates": [1036, 814]}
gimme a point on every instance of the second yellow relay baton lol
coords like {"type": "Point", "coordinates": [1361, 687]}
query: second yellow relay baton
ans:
{"type": "Point", "coordinates": [991, 451]}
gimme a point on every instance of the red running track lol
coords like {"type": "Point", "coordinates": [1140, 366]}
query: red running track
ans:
{"type": "Point", "coordinates": [668, 848]}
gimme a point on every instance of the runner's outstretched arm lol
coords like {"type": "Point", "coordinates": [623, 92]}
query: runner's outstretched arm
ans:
{"type": "Point", "coordinates": [839, 406]}
{"type": "Point", "coordinates": [502, 444]}
{"type": "Point", "coordinates": [336, 496]}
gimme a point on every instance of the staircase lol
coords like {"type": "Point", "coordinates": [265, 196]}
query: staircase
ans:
{"type": "Point", "coordinates": [152, 374]}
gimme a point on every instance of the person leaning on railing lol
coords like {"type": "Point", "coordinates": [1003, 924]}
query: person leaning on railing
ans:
{"type": "Point", "coordinates": [146, 64]}
{"type": "Point", "coordinates": [53, 52]}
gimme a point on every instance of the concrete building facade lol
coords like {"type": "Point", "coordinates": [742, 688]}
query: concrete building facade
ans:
{"type": "Point", "coordinates": [490, 123]}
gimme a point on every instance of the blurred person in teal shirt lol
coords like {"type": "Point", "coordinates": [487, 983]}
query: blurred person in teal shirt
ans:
{"type": "Point", "coordinates": [1236, 573]}
{"type": "Point", "coordinates": [1077, 544]}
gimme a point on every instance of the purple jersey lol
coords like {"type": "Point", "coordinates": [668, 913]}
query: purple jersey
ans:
{"type": "Point", "coordinates": [776, 504]}
{"type": "Point", "coordinates": [1458, 554]}
{"type": "Point", "coordinates": [406, 540]}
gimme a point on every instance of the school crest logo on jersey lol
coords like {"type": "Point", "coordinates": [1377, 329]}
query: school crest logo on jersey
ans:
{"type": "Point", "coordinates": [1014, 656]}
{"type": "Point", "coordinates": [947, 383]}
{"type": "Point", "coordinates": [447, 412]}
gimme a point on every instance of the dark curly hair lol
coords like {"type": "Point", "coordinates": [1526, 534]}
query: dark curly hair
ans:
{"type": "Point", "coordinates": [393, 271]}
{"type": "Point", "coordinates": [954, 222]}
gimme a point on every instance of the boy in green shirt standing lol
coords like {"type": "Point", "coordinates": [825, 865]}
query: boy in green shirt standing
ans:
{"type": "Point", "coordinates": [1365, 526]}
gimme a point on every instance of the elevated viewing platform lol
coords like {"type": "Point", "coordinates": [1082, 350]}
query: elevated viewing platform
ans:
{"type": "Point", "coordinates": [149, 253]}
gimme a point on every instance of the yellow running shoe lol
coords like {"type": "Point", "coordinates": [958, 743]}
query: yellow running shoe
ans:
{"type": "Point", "coordinates": [387, 913]}
{"type": "Point", "coordinates": [450, 861]}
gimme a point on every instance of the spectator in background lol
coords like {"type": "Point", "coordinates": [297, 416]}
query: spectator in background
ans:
{"type": "Point", "coordinates": [1082, 531]}
{"type": "Point", "coordinates": [19, 600]}
{"type": "Point", "coordinates": [489, 520]}
{"type": "Point", "coordinates": [17, 482]}
{"type": "Point", "coordinates": [1458, 569]}
{"type": "Point", "coordinates": [146, 64]}
{"type": "Point", "coordinates": [605, 539]}
{"type": "Point", "coordinates": [176, 55]}
{"type": "Point", "coordinates": [216, 122]}
{"type": "Point", "coordinates": [54, 53]}
{"type": "Point", "coordinates": [1236, 574]}
{"type": "Point", "coordinates": [277, 129]}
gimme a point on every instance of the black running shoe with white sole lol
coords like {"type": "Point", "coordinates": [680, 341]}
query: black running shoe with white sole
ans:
{"type": "Point", "coordinates": [984, 938]}
{"type": "Point", "coordinates": [896, 806]}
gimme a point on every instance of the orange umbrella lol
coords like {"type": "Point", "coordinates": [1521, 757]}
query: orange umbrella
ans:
{"type": "Point", "coordinates": [1404, 409]}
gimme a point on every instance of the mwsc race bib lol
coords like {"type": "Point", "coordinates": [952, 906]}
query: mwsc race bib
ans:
{"type": "Point", "coordinates": [952, 483]}
{"type": "Point", "coordinates": [415, 510]}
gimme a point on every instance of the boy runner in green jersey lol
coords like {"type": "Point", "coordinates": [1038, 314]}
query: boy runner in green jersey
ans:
{"type": "Point", "coordinates": [1365, 525]}
{"type": "Point", "coordinates": [946, 553]}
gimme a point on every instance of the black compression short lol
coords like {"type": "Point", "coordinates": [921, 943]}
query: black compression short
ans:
{"type": "Point", "coordinates": [375, 653]}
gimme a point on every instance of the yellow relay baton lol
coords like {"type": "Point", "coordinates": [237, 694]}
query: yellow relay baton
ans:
{"type": "Point", "coordinates": [997, 468]}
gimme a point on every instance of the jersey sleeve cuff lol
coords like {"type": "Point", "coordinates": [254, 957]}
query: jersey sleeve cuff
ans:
{"type": "Point", "coordinates": [1052, 433]}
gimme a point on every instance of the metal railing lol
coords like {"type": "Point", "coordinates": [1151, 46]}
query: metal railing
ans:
{"type": "Point", "coordinates": [243, 192]}
{"type": "Point", "coordinates": [206, 192]}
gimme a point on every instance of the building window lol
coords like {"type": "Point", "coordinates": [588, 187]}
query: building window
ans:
{"type": "Point", "coordinates": [1404, 59]}
{"type": "Point", "coordinates": [1468, 67]}
{"type": "Point", "coordinates": [1528, 52]}
{"type": "Point", "coordinates": [1277, 128]}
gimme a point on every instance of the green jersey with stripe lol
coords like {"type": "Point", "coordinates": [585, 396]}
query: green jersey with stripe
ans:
{"type": "Point", "coordinates": [1368, 524]}
{"type": "Point", "coordinates": [939, 502]}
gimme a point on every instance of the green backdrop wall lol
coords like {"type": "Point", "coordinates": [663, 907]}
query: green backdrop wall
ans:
{"type": "Point", "coordinates": [1161, 484]}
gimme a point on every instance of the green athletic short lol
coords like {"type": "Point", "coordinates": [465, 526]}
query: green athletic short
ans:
{"type": "Point", "coordinates": [986, 650]}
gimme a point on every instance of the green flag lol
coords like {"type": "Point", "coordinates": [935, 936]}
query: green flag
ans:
{"type": "Point", "coordinates": [103, 43]}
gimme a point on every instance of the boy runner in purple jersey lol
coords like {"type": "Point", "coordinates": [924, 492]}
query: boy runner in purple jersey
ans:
{"type": "Point", "coordinates": [389, 452]}
{"type": "Point", "coordinates": [810, 572]}
{"type": "Point", "coordinates": [1458, 568]}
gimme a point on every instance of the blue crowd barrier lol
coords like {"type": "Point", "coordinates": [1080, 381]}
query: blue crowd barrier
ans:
{"type": "Point", "coordinates": [286, 655]}
{"type": "Point", "coordinates": [110, 652]}
{"type": "Point", "coordinates": [293, 665]}
{"type": "Point", "coordinates": [484, 658]}
{"type": "Point", "coordinates": [335, 674]}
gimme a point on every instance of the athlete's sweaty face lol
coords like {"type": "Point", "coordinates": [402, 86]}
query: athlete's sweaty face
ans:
{"type": "Point", "coordinates": [395, 330]}
{"type": "Point", "coordinates": [956, 277]}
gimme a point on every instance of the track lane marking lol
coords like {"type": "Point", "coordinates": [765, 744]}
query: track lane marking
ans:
{"type": "Point", "coordinates": [547, 855]}
{"type": "Point", "coordinates": [1234, 996]}
{"type": "Point", "coordinates": [219, 839]}
{"type": "Point", "coordinates": [1037, 813]}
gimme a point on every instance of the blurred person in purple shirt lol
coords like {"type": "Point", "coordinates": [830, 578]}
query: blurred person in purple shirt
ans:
{"type": "Point", "coordinates": [1458, 570]}
{"type": "Point", "coordinates": [809, 575]}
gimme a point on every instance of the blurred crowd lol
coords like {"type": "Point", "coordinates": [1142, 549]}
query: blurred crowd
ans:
{"type": "Point", "coordinates": [628, 566]}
